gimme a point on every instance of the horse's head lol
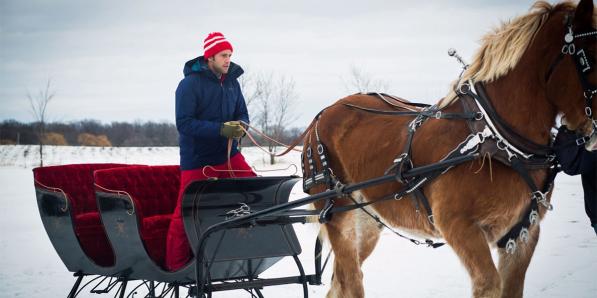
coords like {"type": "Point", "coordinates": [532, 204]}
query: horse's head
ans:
{"type": "Point", "coordinates": [546, 56]}
{"type": "Point", "coordinates": [569, 46]}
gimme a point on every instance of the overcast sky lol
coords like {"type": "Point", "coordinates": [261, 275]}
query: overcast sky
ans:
{"type": "Point", "coordinates": [122, 60]}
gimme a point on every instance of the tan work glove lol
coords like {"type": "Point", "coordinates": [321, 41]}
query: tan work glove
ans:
{"type": "Point", "coordinates": [231, 129]}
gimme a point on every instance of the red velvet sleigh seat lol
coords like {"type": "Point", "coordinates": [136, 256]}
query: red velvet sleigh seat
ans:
{"type": "Point", "coordinates": [138, 202]}
{"type": "Point", "coordinates": [66, 201]}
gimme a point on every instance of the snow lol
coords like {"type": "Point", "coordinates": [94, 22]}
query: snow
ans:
{"type": "Point", "coordinates": [564, 264]}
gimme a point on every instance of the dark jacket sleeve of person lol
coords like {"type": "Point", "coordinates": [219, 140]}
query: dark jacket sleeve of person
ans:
{"type": "Point", "coordinates": [186, 107]}
{"type": "Point", "coordinates": [589, 185]}
{"type": "Point", "coordinates": [574, 160]}
{"type": "Point", "coordinates": [573, 157]}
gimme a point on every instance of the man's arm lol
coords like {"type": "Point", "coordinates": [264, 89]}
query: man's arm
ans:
{"type": "Point", "coordinates": [186, 107]}
{"type": "Point", "coordinates": [589, 184]}
{"type": "Point", "coordinates": [568, 153]}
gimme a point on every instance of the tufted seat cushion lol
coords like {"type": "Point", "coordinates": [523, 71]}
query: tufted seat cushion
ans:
{"type": "Point", "coordinates": [76, 181]}
{"type": "Point", "coordinates": [155, 231]}
{"type": "Point", "coordinates": [154, 190]}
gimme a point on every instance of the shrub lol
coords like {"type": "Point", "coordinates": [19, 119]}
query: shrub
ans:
{"type": "Point", "coordinates": [87, 139]}
{"type": "Point", "coordinates": [7, 142]}
{"type": "Point", "coordinates": [53, 138]}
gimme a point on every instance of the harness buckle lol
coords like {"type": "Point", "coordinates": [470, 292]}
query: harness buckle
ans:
{"type": "Point", "coordinates": [534, 217]}
{"type": "Point", "coordinates": [325, 215]}
{"type": "Point", "coordinates": [588, 111]}
{"type": "Point", "coordinates": [524, 235]}
{"type": "Point", "coordinates": [415, 123]}
{"type": "Point", "coordinates": [569, 37]}
{"type": "Point", "coordinates": [511, 246]}
{"type": "Point", "coordinates": [479, 116]}
{"type": "Point", "coordinates": [397, 164]}
{"type": "Point", "coordinates": [504, 147]}
{"type": "Point", "coordinates": [430, 219]}
{"type": "Point", "coordinates": [438, 115]}
{"type": "Point", "coordinates": [400, 157]}
{"type": "Point", "coordinates": [464, 88]}
{"type": "Point", "coordinates": [339, 188]}
{"type": "Point", "coordinates": [474, 140]}
{"type": "Point", "coordinates": [581, 141]}
{"type": "Point", "coordinates": [542, 199]}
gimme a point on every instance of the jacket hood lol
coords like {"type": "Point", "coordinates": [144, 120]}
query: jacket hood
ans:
{"type": "Point", "coordinates": [199, 65]}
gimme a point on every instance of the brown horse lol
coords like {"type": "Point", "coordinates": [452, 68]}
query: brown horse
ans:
{"type": "Point", "coordinates": [531, 74]}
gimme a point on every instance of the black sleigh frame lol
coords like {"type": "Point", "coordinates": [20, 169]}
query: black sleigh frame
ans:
{"type": "Point", "coordinates": [231, 256]}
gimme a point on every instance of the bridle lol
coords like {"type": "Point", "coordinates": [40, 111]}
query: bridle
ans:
{"type": "Point", "coordinates": [583, 68]}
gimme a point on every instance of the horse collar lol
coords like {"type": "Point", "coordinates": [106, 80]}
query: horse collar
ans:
{"type": "Point", "coordinates": [508, 143]}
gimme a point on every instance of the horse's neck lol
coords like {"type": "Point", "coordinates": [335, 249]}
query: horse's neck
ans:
{"type": "Point", "coordinates": [521, 101]}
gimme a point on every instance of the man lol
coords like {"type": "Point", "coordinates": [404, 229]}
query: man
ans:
{"type": "Point", "coordinates": [574, 159]}
{"type": "Point", "coordinates": [209, 106]}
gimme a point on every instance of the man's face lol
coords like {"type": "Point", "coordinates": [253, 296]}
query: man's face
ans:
{"type": "Point", "coordinates": [220, 62]}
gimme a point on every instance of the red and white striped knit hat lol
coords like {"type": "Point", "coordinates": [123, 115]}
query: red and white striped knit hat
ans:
{"type": "Point", "coordinates": [214, 43]}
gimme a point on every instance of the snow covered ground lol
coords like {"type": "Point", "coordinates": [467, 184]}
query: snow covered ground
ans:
{"type": "Point", "coordinates": [564, 265]}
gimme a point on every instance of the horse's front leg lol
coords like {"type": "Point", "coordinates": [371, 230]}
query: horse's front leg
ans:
{"type": "Point", "coordinates": [513, 267]}
{"type": "Point", "coordinates": [347, 281]}
{"type": "Point", "coordinates": [469, 242]}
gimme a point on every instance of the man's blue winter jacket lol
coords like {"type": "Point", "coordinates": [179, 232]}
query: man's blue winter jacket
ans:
{"type": "Point", "coordinates": [203, 103]}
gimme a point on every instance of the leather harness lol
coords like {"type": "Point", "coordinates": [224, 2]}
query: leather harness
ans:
{"type": "Point", "coordinates": [489, 135]}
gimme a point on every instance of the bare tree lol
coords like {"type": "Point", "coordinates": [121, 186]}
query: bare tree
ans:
{"type": "Point", "coordinates": [38, 106]}
{"type": "Point", "coordinates": [250, 89]}
{"type": "Point", "coordinates": [360, 81]}
{"type": "Point", "coordinates": [275, 97]}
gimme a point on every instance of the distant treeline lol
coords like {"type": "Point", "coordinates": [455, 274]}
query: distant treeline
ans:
{"type": "Point", "coordinates": [95, 133]}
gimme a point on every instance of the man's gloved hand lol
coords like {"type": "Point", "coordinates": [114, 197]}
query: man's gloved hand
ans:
{"type": "Point", "coordinates": [231, 129]}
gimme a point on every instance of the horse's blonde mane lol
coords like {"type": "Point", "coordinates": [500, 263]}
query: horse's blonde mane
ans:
{"type": "Point", "coordinates": [502, 48]}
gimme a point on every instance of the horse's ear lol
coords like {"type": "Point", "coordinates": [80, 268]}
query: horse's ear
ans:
{"type": "Point", "coordinates": [584, 13]}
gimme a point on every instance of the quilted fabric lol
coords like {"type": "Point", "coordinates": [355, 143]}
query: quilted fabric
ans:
{"type": "Point", "coordinates": [154, 190]}
{"type": "Point", "coordinates": [93, 238]}
{"type": "Point", "coordinates": [155, 229]}
{"type": "Point", "coordinates": [76, 180]}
